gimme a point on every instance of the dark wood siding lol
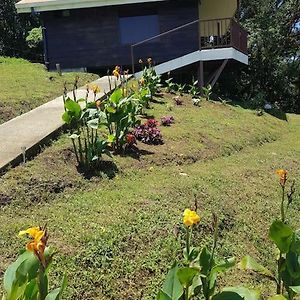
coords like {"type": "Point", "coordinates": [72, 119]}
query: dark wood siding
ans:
{"type": "Point", "coordinates": [91, 38]}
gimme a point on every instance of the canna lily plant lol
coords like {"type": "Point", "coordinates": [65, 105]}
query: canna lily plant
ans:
{"type": "Point", "coordinates": [27, 277]}
{"type": "Point", "coordinates": [287, 241]}
{"type": "Point", "coordinates": [196, 276]}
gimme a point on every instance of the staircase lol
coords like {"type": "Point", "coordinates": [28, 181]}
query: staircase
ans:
{"type": "Point", "coordinates": [197, 41]}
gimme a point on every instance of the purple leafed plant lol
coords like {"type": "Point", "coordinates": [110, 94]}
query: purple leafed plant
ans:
{"type": "Point", "coordinates": [148, 133]}
{"type": "Point", "coordinates": [167, 120]}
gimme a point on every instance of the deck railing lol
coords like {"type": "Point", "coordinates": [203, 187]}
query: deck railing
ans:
{"type": "Point", "coordinates": [190, 37]}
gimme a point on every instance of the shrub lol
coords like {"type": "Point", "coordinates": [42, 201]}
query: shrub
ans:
{"type": "Point", "coordinates": [35, 37]}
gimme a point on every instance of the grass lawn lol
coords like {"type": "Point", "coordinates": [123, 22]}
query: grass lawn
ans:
{"type": "Point", "coordinates": [115, 233]}
{"type": "Point", "coordinates": [24, 86]}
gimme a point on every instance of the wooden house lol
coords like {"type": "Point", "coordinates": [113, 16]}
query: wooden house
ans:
{"type": "Point", "coordinates": [89, 34]}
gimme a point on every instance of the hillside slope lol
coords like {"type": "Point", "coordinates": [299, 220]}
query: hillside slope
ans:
{"type": "Point", "coordinates": [115, 236]}
{"type": "Point", "coordinates": [24, 86]}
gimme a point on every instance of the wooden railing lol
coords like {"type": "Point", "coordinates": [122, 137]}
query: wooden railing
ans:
{"type": "Point", "coordinates": [193, 36]}
{"type": "Point", "coordinates": [222, 33]}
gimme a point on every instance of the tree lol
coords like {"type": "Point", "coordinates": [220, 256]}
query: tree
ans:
{"type": "Point", "coordinates": [14, 29]}
{"type": "Point", "coordinates": [274, 43]}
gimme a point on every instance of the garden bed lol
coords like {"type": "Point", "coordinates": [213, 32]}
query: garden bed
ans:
{"type": "Point", "coordinates": [115, 232]}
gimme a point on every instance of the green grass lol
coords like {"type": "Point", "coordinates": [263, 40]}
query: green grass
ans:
{"type": "Point", "coordinates": [115, 236]}
{"type": "Point", "coordinates": [24, 86]}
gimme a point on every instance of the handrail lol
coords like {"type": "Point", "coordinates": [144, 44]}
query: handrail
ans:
{"type": "Point", "coordinates": [165, 33]}
{"type": "Point", "coordinates": [236, 38]}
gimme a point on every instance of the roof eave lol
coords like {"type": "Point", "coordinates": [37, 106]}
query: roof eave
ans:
{"type": "Point", "coordinates": [67, 4]}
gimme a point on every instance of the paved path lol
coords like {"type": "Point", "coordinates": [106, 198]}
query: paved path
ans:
{"type": "Point", "coordinates": [34, 128]}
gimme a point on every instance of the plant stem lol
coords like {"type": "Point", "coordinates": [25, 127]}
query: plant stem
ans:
{"type": "Point", "coordinates": [279, 283]}
{"type": "Point", "coordinates": [42, 283]}
{"type": "Point", "coordinates": [188, 240]}
{"type": "Point", "coordinates": [282, 205]}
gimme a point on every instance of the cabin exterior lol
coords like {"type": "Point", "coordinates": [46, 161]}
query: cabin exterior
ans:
{"type": "Point", "coordinates": [81, 34]}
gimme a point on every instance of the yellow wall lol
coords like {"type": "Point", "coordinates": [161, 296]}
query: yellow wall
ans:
{"type": "Point", "coordinates": [216, 9]}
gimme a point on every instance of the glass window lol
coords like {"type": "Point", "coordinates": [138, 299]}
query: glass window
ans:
{"type": "Point", "coordinates": [138, 28]}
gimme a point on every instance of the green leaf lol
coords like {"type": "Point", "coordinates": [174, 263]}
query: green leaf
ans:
{"type": "Point", "coordinates": [111, 109]}
{"type": "Point", "coordinates": [249, 263]}
{"type": "Point", "coordinates": [227, 296]}
{"type": "Point", "coordinates": [163, 296]}
{"type": "Point", "coordinates": [94, 123]}
{"type": "Point", "coordinates": [116, 96]}
{"type": "Point", "coordinates": [277, 297]}
{"type": "Point", "coordinates": [224, 266]}
{"type": "Point", "coordinates": [293, 264]}
{"type": "Point", "coordinates": [295, 245]}
{"type": "Point", "coordinates": [186, 275]}
{"type": "Point", "coordinates": [172, 286]}
{"type": "Point", "coordinates": [66, 117]}
{"type": "Point", "coordinates": [111, 138]}
{"type": "Point", "coordinates": [73, 107]}
{"type": "Point", "coordinates": [56, 294]}
{"type": "Point", "coordinates": [19, 273]}
{"type": "Point", "coordinates": [74, 136]}
{"type": "Point", "coordinates": [245, 293]}
{"type": "Point", "coordinates": [295, 289]}
{"type": "Point", "coordinates": [204, 261]}
{"type": "Point", "coordinates": [221, 267]}
{"type": "Point", "coordinates": [281, 234]}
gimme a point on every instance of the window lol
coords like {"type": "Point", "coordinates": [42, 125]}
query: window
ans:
{"type": "Point", "coordinates": [138, 28]}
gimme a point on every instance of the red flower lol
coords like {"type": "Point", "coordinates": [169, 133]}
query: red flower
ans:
{"type": "Point", "coordinates": [130, 139]}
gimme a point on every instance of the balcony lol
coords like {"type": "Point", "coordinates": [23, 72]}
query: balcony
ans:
{"type": "Point", "coordinates": [223, 33]}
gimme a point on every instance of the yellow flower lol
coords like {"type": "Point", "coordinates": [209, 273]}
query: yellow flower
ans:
{"type": "Point", "coordinates": [38, 242]}
{"type": "Point", "coordinates": [190, 218]}
{"type": "Point", "coordinates": [116, 73]}
{"type": "Point", "coordinates": [283, 176]}
{"type": "Point", "coordinates": [142, 81]}
{"type": "Point", "coordinates": [95, 88]}
{"type": "Point", "coordinates": [33, 232]}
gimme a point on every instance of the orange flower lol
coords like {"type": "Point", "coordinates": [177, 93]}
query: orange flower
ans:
{"type": "Point", "coordinates": [283, 176]}
{"type": "Point", "coordinates": [38, 242]}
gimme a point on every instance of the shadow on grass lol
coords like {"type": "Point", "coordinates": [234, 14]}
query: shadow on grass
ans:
{"type": "Point", "coordinates": [136, 153]}
{"type": "Point", "coordinates": [275, 112]}
{"type": "Point", "coordinates": [105, 168]}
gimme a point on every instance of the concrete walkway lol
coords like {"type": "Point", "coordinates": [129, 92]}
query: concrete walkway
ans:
{"type": "Point", "coordinates": [34, 128]}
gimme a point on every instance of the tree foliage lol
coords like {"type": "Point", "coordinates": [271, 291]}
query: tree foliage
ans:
{"type": "Point", "coordinates": [274, 54]}
{"type": "Point", "coordinates": [14, 29]}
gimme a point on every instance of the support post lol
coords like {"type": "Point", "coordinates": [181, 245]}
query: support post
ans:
{"type": "Point", "coordinates": [132, 60]}
{"type": "Point", "coordinates": [200, 75]}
